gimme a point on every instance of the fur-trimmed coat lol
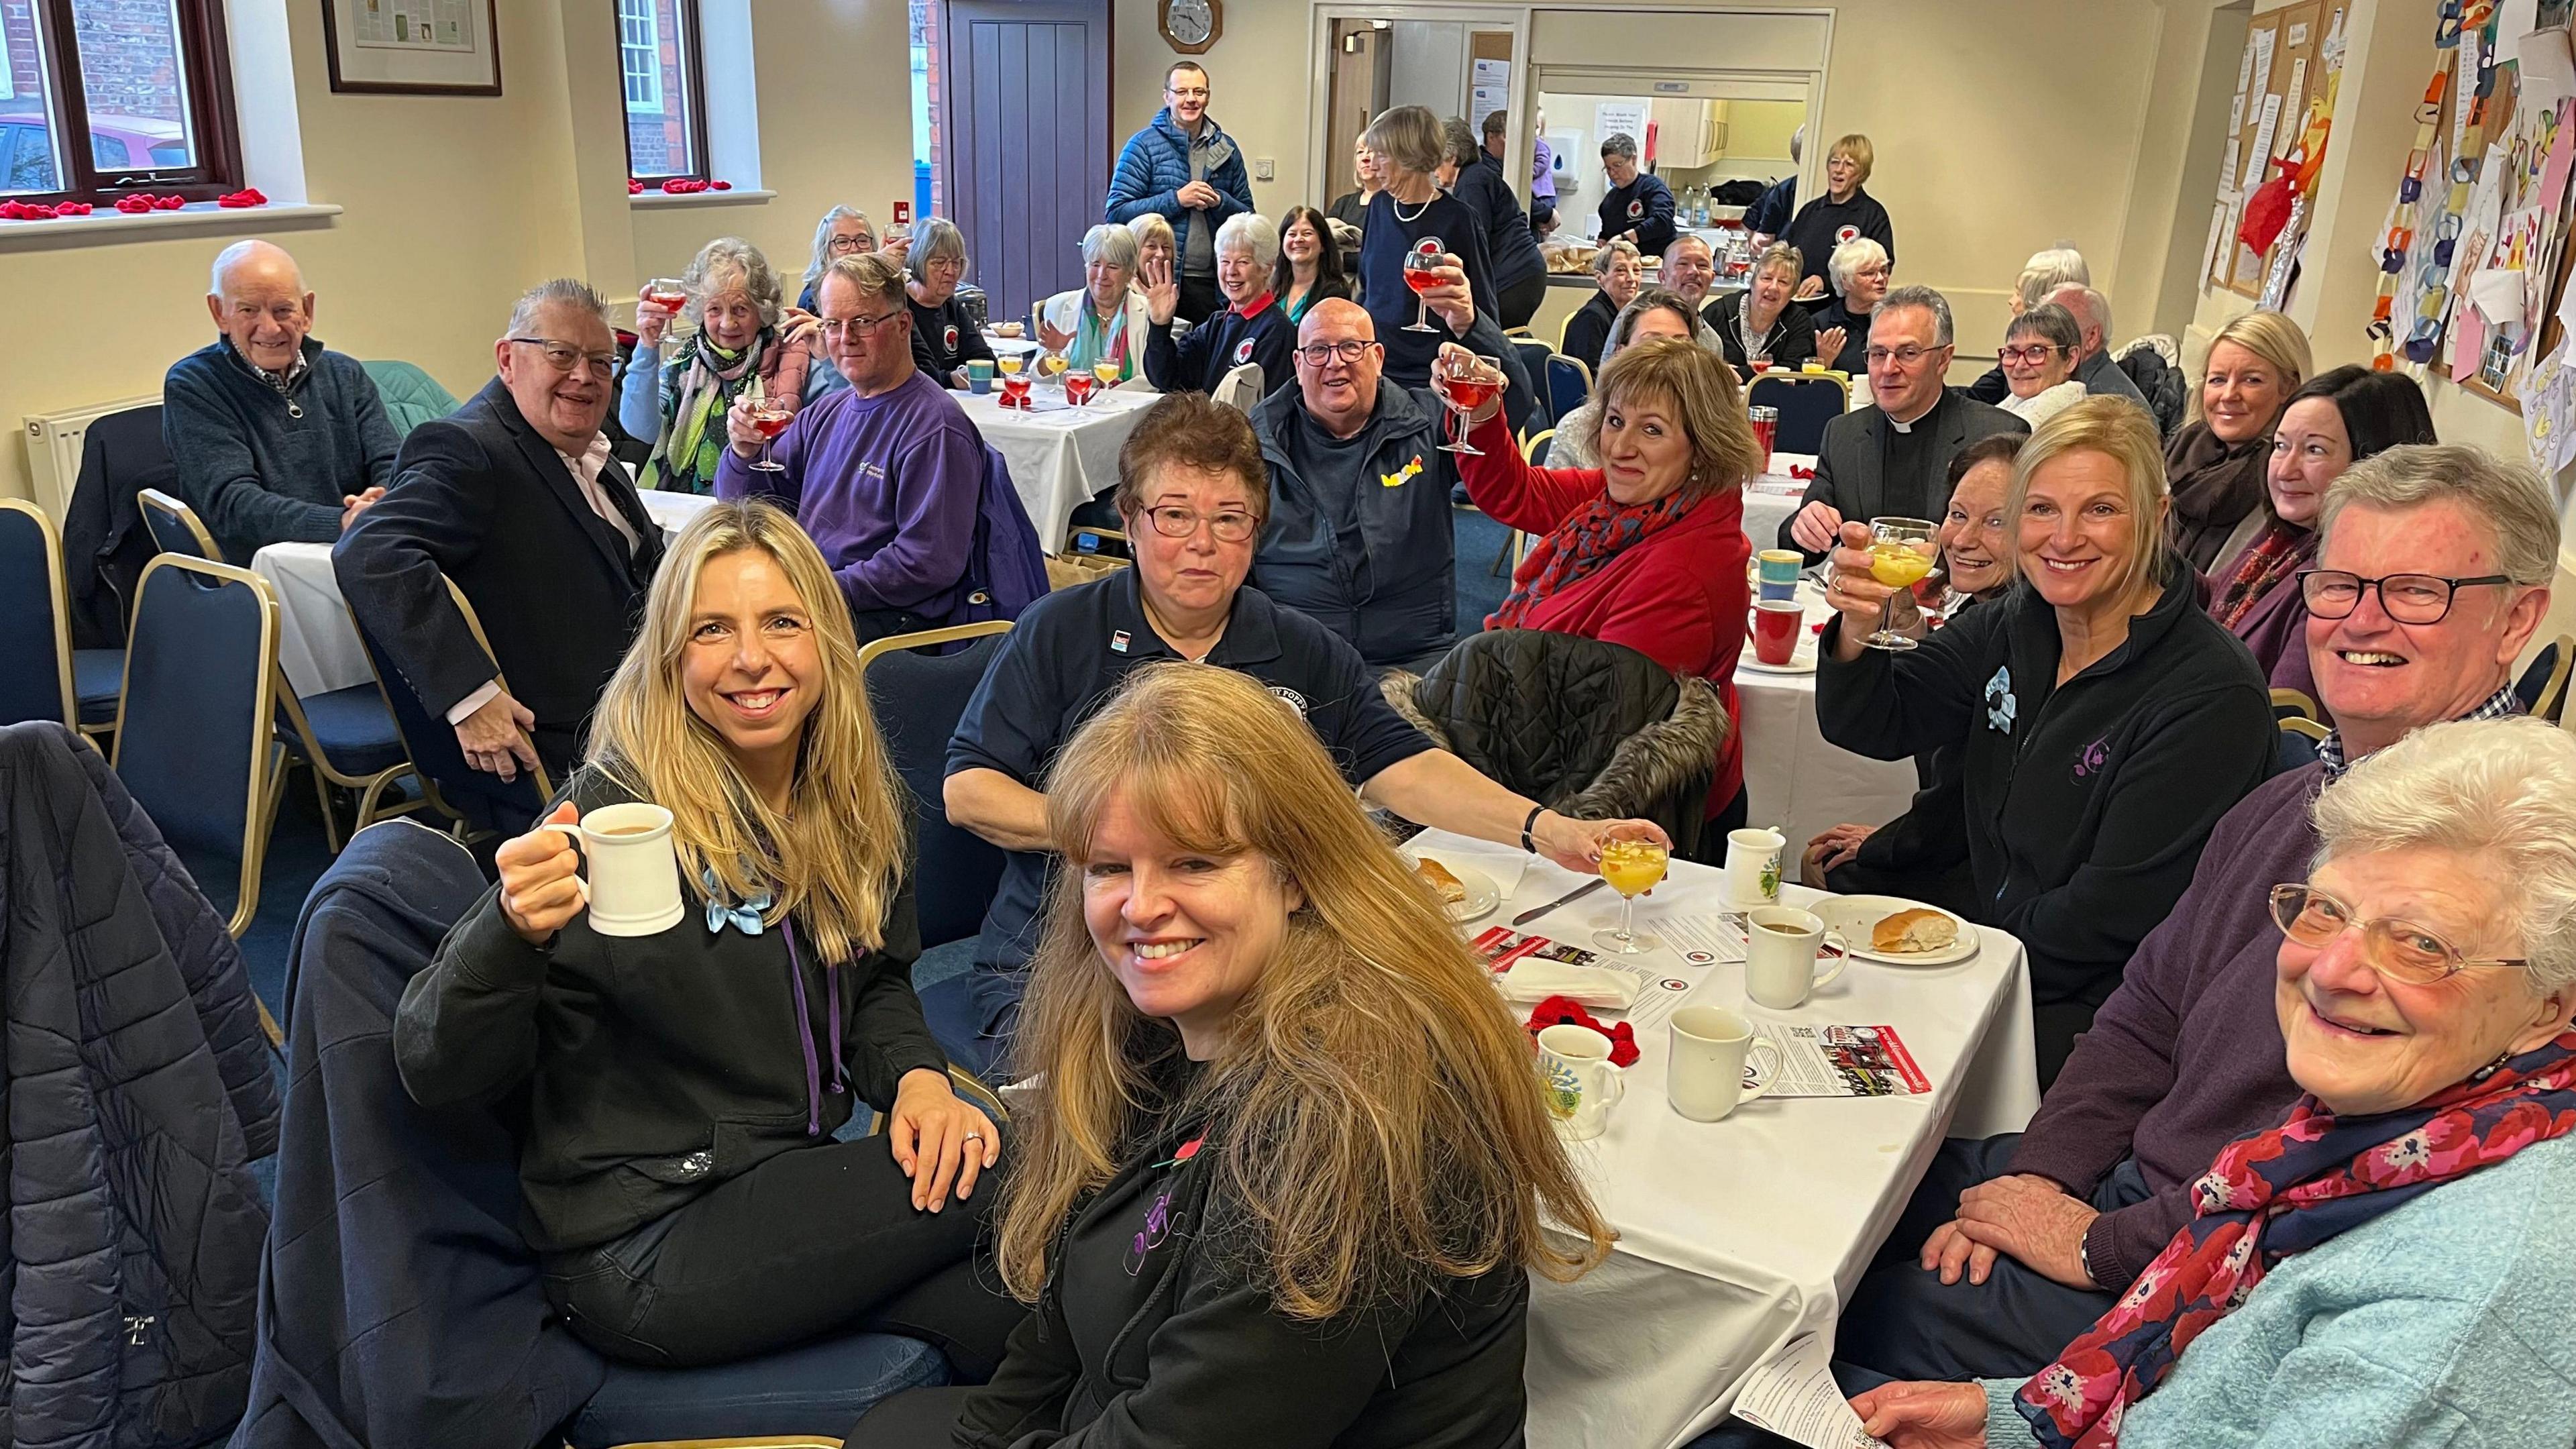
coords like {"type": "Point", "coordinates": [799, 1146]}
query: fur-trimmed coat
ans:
{"type": "Point", "coordinates": [1590, 729]}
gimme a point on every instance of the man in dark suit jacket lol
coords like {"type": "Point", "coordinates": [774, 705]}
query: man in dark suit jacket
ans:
{"type": "Point", "coordinates": [516, 499]}
{"type": "Point", "coordinates": [1893, 460]}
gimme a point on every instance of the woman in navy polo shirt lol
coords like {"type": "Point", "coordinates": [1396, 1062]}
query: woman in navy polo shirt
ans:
{"type": "Point", "coordinates": [1193, 493]}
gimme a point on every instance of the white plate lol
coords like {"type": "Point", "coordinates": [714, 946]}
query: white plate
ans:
{"type": "Point", "coordinates": [1802, 662]}
{"type": "Point", "coordinates": [1482, 897]}
{"type": "Point", "coordinates": [1853, 916]}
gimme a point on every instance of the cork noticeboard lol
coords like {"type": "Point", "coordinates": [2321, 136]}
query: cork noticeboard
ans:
{"type": "Point", "coordinates": [2282, 75]}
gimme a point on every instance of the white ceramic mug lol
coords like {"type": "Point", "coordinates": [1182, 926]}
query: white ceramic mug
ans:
{"type": "Point", "coordinates": [1711, 1046]}
{"type": "Point", "coordinates": [1780, 946]}
{"type": "Point", "coordinates": [633, 874]}
{"type": "Point", "coordinates": [1581, 1083]}
{"type": "Point", "coordinates": [1753, 866]}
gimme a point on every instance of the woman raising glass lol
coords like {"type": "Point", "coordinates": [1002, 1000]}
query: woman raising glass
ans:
{"type": "Point", "coordinates": [739, 347]}
{"type": "Point", "coordinates": [1413, 215]}
{"type": "Point", "coordinates": [2103, 721]}
{"type": "Point", "coordinates": [684, 1088]}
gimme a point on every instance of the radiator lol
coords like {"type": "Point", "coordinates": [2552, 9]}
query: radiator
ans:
{"type": "Point", "coordinates": [54, 449]}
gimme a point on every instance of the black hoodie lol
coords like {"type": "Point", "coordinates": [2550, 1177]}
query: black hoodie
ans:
{"type": "Point", "coordinates": [2086, 806]}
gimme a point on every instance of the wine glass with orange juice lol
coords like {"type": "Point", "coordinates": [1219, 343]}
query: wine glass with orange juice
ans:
{"type": "Point", "coordinates": [1900, 552]}
{"type": "Point", "coordinates": [1633, 862]}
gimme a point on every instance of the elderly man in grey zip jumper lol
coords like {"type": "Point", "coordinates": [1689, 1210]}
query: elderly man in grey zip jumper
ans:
{"type": "Point", "coordinates": [275, 439]}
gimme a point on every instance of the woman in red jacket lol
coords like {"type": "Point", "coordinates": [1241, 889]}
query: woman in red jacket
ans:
{"type": "Point", "coordinates": [1647, 550]}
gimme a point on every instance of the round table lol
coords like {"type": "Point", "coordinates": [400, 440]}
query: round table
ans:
{"type": "Point", "coordinates": [1060, 456]}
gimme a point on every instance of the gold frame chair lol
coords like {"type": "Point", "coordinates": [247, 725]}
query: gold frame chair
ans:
{"type": "Point", "coordinates": [59, 588]}
{"type": "Point", "coordinates": [177, 511]}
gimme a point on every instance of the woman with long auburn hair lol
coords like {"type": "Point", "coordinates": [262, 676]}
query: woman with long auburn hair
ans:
{"type": "Point", "coordinates": [1290, 1162]}
{"type": "Point", "coordinates": [684, 1086]}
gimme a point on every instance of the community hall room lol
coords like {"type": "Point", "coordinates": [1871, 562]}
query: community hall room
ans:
{"type": "Point", "coordinates": [887, 724]}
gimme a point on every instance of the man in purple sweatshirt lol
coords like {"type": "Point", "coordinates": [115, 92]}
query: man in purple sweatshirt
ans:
{"type": "Point", "coordinates": [885, 475]}
{"type": "Point", "coordinates": [2014, 1245]}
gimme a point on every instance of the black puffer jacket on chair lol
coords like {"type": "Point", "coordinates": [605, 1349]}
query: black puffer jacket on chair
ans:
{"type": "Point", "coordinates": [138, 1092]}
{"type": "Point", "coordinates": [1589, 729]}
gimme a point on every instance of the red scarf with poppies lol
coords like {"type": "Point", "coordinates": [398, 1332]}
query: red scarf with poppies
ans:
{"type": "Point", "coordinates": [1590, 537]}
{"type": "Point", "coordinates": [2280, 1192]}
{"type": "Point", "coordinates": [2277, 553]}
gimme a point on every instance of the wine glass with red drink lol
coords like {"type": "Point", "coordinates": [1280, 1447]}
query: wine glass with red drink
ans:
{"type": "Point", "coordinates": [1421, 273]}
{"type": "Point", "coordinates": [769, 419]}
{"type": "Point", "coordinates": [1465, 384]}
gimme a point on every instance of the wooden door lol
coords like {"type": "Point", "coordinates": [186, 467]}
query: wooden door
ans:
{"type": "Point", "coordinates": [1029, 150]}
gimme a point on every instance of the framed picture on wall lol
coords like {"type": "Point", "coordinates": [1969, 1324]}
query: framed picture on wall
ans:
{"type": "Point", "coordinates": [414, 47]}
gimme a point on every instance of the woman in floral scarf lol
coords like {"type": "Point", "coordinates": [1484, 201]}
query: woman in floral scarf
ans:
{"type": "Point", "coordinates": [1648, 549]}
{"type": "Point", "coordinates": [679, 400]}
{"type": "Point", "coordinates": [2336, 420]}
{"type": "Point", "coordinates": [2393, 1264]}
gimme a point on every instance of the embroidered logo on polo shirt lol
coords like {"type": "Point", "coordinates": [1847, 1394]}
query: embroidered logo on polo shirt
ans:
{"type": "Point", "coordinates": [1243, 352]}
{"type": "Point", "coordinates": [1118, 642]}
{"type": "Point", "coordinates": [1429, 246]}
{"type": "Point", "coordinates": [948, 338]}
{"type": "Point", "coordinates": [1290, 698]}
{"type": "Point", "coordinates": [1846, 233]}
{"type": "Point", "coordinates": [1636, 209]}
{"type": "Point", "coordinates": [1403, 475]}
{"type": "Point", "coordinates": [2000, 704]}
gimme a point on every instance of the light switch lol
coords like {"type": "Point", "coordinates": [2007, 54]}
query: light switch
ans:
{"type": "Point", "coordinates": [1264, 169]}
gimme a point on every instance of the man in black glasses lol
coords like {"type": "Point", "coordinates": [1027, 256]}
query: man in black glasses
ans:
{"type": "Point", "coordinates": [2432, 577]}
{"type": "Point", "coordinates": [516, 499]}
{"type": "Point", "coordinates": [1360, 534]}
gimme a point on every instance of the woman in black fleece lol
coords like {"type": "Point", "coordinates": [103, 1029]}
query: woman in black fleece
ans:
{"type": "Point", "coordinates": [682, 1182]}
{"type": "Point", "coordinates": [2105, 722]}
{"type": "Point", "coordinates": [1285, 1185]}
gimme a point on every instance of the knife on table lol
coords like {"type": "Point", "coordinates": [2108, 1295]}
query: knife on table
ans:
{"type": "Point", "coordinates": [1585, 889]}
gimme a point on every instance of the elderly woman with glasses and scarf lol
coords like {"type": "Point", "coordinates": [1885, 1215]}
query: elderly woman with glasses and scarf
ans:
{"type": "Point", "coordinates": [2391, 1263]}
{"type": "Point", "coordinates": [739, 349]}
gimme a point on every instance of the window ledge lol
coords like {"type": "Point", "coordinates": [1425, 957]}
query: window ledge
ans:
{"type": "Point", "coordinates": [739, 196]}
{"type": "Point", "coordinates": [107, 223]}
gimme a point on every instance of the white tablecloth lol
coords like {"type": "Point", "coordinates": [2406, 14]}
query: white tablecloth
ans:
{"type": "Point", "coordinates": [1772, 496]}
{"type": "Point", "coordinates": [316, 643]}
{"type": "Point", "coordinates": [1793, 779]}
{"type": "Point", "coordinates": [1736, 1236]}
{"type": "Point", "coordinates": [1059, 456]}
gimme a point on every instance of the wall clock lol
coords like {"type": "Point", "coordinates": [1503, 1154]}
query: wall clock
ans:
{"type": "Point", "coordinates": [1191, 26]}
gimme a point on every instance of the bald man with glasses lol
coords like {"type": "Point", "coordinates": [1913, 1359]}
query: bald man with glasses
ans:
{"type": "Point", "coordinates": [1360, 534]}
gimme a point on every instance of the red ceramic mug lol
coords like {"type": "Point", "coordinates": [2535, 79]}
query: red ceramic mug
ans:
{"type": "Point", "coordinates": [1776, 626]}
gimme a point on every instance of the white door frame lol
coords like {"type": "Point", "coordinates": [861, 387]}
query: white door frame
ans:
{"type": "Point", "coordinates": [1326, 176]}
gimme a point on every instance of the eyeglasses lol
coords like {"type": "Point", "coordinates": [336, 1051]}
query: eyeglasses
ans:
{"type": "Point", "coordinates": [2028, 356]}
{"type": "Point", "coordinates": [2406, 598]}
{"type": "Point", "coordinates": [563, 357]}
{"type": "Point", "coordinates": [1189, 93]}
{"type": "Point", "coordinates": [1905, 356]}
{"type": "Point", "coordinates": [1349, 349]}
{"type": "Point", "coordinates": [856, 326]}
{"type": "Point", "coordinates": [1231, 526]}
{"type": "Point", "coordinates": [2396, 949]}
{"type": "Point", "coordinates": [851, 243]}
